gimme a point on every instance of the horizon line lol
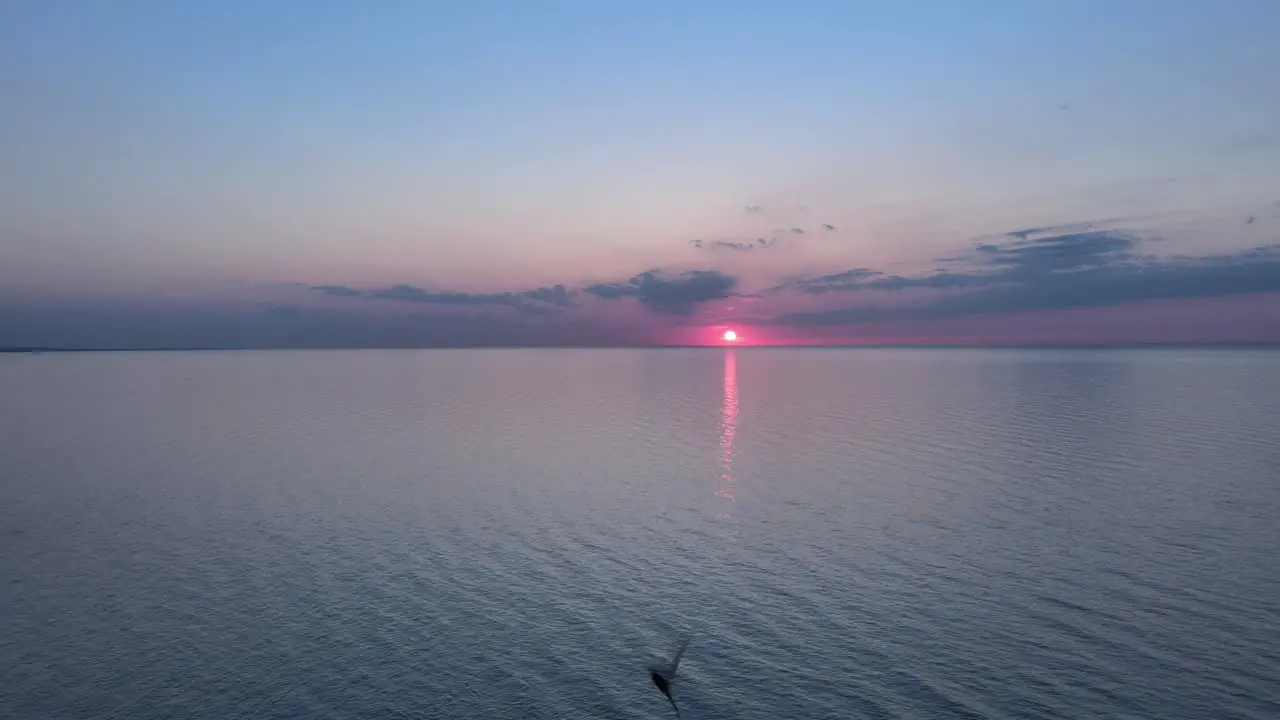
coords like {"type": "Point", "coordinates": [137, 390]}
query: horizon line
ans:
{"type": "Point", "coordinates": [1154, 345]}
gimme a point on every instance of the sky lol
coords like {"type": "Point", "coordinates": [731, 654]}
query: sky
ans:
{"type": "Point", "coordinates": [530, 172]}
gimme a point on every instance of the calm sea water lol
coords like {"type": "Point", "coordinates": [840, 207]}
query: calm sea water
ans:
{"type": "Point", "coordinates": [520, 534]}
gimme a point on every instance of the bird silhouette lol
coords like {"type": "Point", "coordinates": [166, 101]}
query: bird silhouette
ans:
{"type": "Point", "coordinates": [663, 677]}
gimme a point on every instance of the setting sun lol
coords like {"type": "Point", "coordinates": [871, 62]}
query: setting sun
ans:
{"type": "Point", "coordinates": [730, 336]}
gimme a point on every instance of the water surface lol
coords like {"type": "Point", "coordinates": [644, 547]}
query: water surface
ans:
{"type": "Point", "coordinates": [482, 534]}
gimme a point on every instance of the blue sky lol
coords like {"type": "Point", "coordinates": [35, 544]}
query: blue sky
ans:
{"type": "Point", "coordinates": [233, 155]}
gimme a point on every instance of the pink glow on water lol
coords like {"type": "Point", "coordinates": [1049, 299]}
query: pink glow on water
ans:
{"type": "Point", "coordinates": [728, 430]}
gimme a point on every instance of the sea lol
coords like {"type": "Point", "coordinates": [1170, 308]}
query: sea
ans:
{"type": "Point", "coordinates": [835, 533]}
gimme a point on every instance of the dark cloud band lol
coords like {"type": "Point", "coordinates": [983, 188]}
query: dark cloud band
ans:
{"type": "Point", "coordinates": [1073, 270]}
{"type": "Point", "coordinates": [677, 294]}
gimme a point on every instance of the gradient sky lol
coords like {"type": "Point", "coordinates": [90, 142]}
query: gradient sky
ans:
{"type": "Point", "coordinates": [293, 173]}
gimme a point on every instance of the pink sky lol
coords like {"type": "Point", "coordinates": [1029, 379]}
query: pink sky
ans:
{"type": "Point", "coordinates": [193, 174]}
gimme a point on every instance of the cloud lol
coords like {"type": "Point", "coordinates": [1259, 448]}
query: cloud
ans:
{"type": "Point", "coordinates": [557, 295]}
{"type": "Point", "coordinates": [734, 245]}
{"type": "Point", "coordinates": [113, 323]}
{"type": "Point", "coordinates": [669, 294]}
{"type": "Point", "coordinates": [409, 293]}
{"type": "Point", "coordinates": [846, 280]}
{"type": "Point", "coordinates": [1071, 251]}
{"type": "Point", "coordinates": [1075, 227]}
{"type": "Point", "coordinates": [337, 290]}
{"type": "Point", "coordinates": [1029, 269]}
{"type": "Point", "coordinates": [287, 311]}
{"type": "Point", "coordinates": [526, 300]}
{"type": "Point", "coordinates": [998, 263]}
{"type": "Point", "coordinates": [1072, 270]}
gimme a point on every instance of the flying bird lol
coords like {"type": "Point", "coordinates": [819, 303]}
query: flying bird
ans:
{"type": "Point", "coordinates": [828, 227]}
{"type": "Point", "coordinates": [662, 677]}
{"type": "Point", "coordinates": [1249, 220]}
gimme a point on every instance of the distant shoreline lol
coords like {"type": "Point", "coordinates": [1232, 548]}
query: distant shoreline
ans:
{"type": "Point", "coordinates": [887, 346]}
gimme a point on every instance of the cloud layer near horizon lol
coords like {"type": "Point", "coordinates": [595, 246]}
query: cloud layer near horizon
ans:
{"type": "Point", "coordinates": [525, 300]}
{"type": "Point", "coordinates": [1030, 269]}
{"type": "Point", "coordinates": [1048, 273]}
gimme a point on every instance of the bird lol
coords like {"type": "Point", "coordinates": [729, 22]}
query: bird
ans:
{"type": "Point", "coordinates": [663, 677]}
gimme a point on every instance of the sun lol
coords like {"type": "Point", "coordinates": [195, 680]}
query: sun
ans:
{"type": "Point", "coordinates": [730, 336]}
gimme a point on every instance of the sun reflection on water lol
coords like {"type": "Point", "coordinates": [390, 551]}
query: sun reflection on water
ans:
{"type": "Point", "coordinates": [728, 429]}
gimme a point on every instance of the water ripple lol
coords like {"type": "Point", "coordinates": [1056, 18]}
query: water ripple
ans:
{"type": "Point", "coordinates": [878, 534]}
